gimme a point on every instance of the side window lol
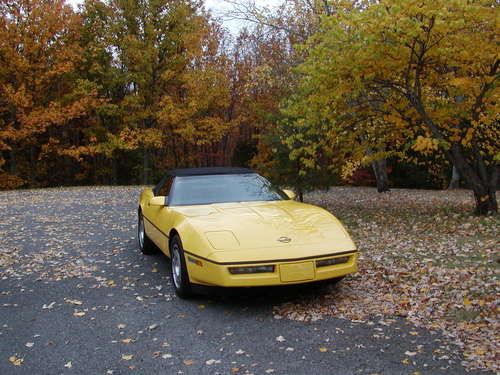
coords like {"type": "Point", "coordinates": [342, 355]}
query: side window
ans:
{"type": "Point", "coordinates": [165, 189]}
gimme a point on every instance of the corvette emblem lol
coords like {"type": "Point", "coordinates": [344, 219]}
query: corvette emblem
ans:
{"type": "Point", "coordinates": [284, 239]}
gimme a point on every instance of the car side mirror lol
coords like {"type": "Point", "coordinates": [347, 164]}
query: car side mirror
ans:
{"type": "Point", "coordinates": [158, 201]}
{"type": "Point", "coordinates": [289, 193]}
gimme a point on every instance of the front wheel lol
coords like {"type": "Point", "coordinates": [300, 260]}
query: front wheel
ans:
{"type": "Point", "coordinates": [145, 244]}
{"type": "Point", "coordinates": [179, 274]}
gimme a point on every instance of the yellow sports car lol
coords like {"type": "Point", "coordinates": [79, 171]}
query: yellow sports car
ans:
{"type": "Point", "coordinates": [230, 227]}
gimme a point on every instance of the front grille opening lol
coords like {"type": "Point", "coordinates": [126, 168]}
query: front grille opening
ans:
{"type": "Point", "coordinates": [251, 269]}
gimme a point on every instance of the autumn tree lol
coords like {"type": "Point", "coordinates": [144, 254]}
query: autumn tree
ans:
{"type": "Point", "coordinates": [298, 20]}
{"type": "Point", "coordinates": [199, 109]}
{"type": "Point", "coordinates": [126, 86]}
{"type": "Point", "coordinates": [171, 74]}
{"type": "Point", "coordinates": [266, 52]}
{"type": "Point", "coordinates": [420, 75]}
{"type": "Point", "coordinates": [148, 40]}
{"type": "Point", "coordinates": [43, 103]}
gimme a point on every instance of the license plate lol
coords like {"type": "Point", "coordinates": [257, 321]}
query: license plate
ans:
{"type": "Point", "coordinates": [296, 272]}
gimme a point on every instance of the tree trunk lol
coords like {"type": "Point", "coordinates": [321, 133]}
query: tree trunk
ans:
{"type": "Point", "coordinates": [482, 181]}
{"type": "Point", "coordinates": [455, 178]}
{"type": "Point", "coordinates": [486, 202]}
{"type": "Point", "coordinates": [13, 161]}
{"type": "Point", "coordinates": [32, 164]}
{"type": "Point", "coordinates": [114, 179]}
{"type": "Point", "coordinates": [145, 166]}
{"type": "Point", "coordinates": [380, 171]}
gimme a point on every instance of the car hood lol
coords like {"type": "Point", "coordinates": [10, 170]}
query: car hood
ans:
{"type": "Point", "coordinates": [259, 225]}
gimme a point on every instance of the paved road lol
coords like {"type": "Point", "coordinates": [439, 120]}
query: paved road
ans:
{"type": "Point", "coordinates": [77, 297]}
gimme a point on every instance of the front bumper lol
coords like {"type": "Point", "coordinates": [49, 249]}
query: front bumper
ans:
{"type": "Point", "coordinates": [205, 272]}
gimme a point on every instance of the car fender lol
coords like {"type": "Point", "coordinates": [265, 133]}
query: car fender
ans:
{"type": "Point", "coordinates": [144, 197]}
{"type": "Point", "coordinates": [193, 241]}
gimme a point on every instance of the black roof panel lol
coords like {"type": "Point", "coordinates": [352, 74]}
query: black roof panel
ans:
{"type": "Point", "coordinates": [208, 171]}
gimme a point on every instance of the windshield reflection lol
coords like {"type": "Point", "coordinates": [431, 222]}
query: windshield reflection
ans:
{"type": "Point", "coordinates": [196, 190]}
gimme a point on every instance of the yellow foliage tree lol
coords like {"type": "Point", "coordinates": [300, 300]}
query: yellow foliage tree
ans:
{"type": "Point", "coordinates": [425, 71]}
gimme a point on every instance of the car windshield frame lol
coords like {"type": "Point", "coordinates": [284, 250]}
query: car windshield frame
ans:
{"type": "Point", "coordinates": [273, 193]}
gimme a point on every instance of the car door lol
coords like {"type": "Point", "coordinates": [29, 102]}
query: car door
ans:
{"type": "Point", "coordinates": [158, 219]}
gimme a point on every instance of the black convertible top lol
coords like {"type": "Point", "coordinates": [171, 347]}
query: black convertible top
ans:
{"type": "Point", "coordinates": [208, 171]}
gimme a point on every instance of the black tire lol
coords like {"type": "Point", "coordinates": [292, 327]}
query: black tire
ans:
{"type": "Point", "coordinates": [145, 244]}
{"type": "Point", "coordinates": [178, 270]}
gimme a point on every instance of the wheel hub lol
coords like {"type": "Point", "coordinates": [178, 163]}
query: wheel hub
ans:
{"type": "Point", "coordinates": [141, 232]}
{"type": "Point", "coordinates": [176, 266]}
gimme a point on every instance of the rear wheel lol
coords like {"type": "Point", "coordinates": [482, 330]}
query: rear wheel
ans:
{"type": "Point", "coordinates": [179, 274]}
{"type": "Point", "coordinates": [145, 244]}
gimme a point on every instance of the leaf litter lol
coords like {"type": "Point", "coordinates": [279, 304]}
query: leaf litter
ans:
{"type": "Point", "coordinates": [424, 257]}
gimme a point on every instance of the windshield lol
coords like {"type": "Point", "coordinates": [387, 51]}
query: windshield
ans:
{"type": "Point", "coordinates": [194, 190]}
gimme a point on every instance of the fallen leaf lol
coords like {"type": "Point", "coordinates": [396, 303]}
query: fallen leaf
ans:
{"type": "Point", "coordinates": [127, 357]}
{"type": "Point", "coordinates": [73, 301]}
{"type": "Point", "coordinates": [16, 361]}
{"type": "Point", "coordinates": [188, 362]}
{"type": "Point", "coordinates": [49, 306]}
{"type": "Point", "coordinates": [212, 361]}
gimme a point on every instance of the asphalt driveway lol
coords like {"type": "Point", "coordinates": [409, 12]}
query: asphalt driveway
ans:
{"type": "Point", "coordinates": [77, 297]}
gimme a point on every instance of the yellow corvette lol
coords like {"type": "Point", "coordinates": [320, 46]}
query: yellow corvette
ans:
{"type": "Point", "coordinates": [230, 227]}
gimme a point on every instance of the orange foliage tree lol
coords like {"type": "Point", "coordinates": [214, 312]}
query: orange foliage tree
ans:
{"type": "Point", "coordinates": [42, 101]}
